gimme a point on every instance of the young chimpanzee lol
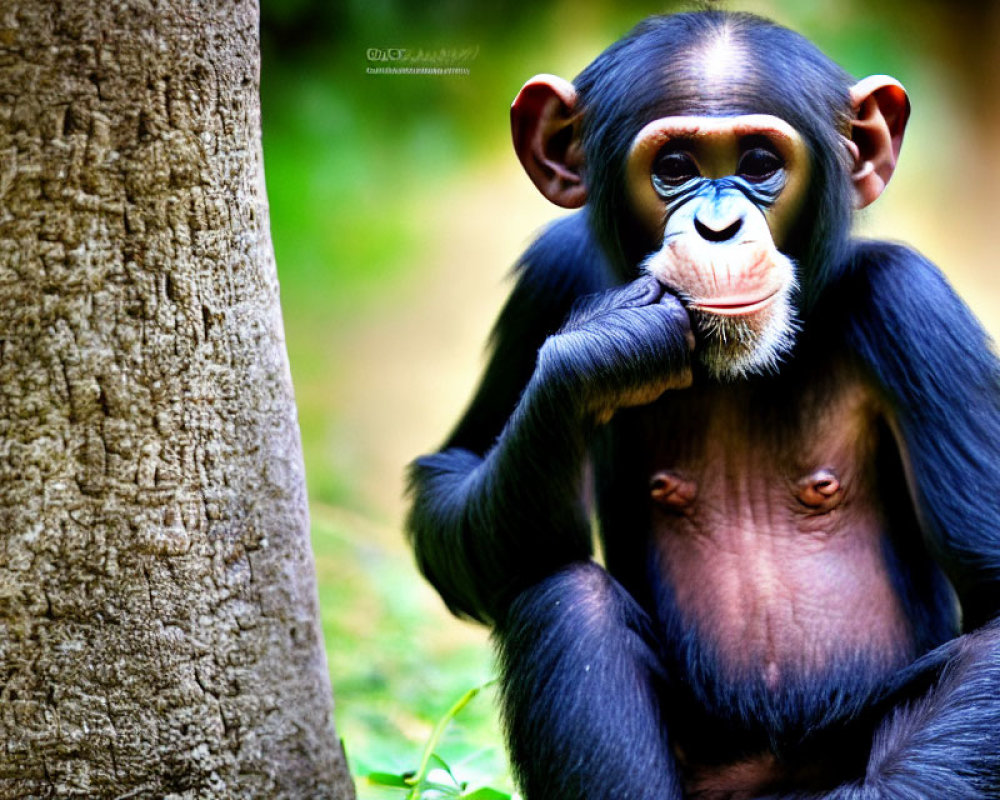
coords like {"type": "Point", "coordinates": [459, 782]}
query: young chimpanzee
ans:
{"type": "Point", "coordinates": [791, 441]}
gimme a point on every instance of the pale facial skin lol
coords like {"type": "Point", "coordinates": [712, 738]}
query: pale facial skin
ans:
{"type": "Point", "coordinates": [719, 195]}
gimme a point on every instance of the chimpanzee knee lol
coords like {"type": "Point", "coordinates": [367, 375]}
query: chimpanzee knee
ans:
{"type": "Point", "coordinates": [582, 689]}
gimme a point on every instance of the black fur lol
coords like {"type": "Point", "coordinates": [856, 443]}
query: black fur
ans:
{"type": "Point", "coordinates": [598, 674]}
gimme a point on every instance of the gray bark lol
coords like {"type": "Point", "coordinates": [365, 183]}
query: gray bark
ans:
{"type": "Point", "coordinates": [158, 623]}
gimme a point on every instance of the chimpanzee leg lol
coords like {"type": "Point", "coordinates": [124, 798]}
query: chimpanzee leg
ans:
{"type": "Point", "coordinates": [581, 692]}
{"type": "Point", "coordinates": [947, 744]}
{"type": "Point", "coordinates": [942, 743]}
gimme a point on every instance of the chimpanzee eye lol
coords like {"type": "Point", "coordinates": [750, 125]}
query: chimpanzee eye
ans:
{"type": "Point", "coordinates": [674, 167]}
{"type": "Point", "coordinates": [758, 164]}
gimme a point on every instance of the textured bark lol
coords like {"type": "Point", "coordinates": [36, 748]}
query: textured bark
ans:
{"type": "Point", "coordinates": [158, 624]}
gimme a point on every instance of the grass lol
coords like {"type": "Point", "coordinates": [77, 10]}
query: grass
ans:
{"type": "Point", "coordinates": [395, 674]}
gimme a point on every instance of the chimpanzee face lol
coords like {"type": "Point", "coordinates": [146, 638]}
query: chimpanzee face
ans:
{"type": "Point", "coordinates": [718, 195]}
{"type": "Point", "coordinates": [707, 165]}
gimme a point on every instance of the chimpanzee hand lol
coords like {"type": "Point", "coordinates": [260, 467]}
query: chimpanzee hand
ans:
{"type": "Point", "coordinates": [624, 347]}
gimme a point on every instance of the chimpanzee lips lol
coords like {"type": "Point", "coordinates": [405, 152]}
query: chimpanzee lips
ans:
{"type": "Point", "coordinates": [734, 306]}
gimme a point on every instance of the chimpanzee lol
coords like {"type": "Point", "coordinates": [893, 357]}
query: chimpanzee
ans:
{"type": "Point", "coordinates": [789, 438]}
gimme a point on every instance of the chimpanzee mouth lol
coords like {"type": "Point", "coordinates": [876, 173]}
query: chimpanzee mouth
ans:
{"type": "Point", "coordinates": [735, 306]}
{"type": "Point", "coordinates": [746, 335]}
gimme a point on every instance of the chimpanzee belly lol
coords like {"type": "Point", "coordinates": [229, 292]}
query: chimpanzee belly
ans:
{"type": "Point", "coordinates": [770, 533]}
{"type": "Point", "coordinates": [768, 526]}
{"type": "Point", "coordinates": [768, 512]}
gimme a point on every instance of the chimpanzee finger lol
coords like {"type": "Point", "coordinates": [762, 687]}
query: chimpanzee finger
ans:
{"type": "Point", "coordinates": [643, 291]}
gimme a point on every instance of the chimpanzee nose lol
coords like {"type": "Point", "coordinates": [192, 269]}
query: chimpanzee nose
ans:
{"type": "Point", "coordinates": [716, 229]}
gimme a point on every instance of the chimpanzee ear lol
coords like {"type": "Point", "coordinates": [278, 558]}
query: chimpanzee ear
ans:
{"type": "Point", "coordinates": [544, 125]}
{"type": "Point", "coordinates": [881, 109]}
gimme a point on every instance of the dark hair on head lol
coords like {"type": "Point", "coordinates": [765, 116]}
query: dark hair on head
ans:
{"type": "Point", "coordinates": [655, 72]}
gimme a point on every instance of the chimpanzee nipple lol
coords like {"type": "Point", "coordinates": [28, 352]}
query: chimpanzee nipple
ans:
{"type": "Point", "coordinates": [671, 491]}
{"type": "Point", "coordinates": [821, 490]}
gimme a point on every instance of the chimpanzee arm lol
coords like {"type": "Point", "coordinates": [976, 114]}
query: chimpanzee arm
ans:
{"type": "Point", "coordinates": [937, 365]}
{"type": "Point", "coordinates": [553, 273]}
{"type": "Point", "coordinates": [561, 265]}
{"type": "Point", "coordinates": [500, 506]}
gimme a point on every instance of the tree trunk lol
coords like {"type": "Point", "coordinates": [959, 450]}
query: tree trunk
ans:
{"type": "Point", "coordinates": [158, 617]}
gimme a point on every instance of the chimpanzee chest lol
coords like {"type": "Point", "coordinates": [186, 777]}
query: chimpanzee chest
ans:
{"type": "Point", "coordinates": [766, 518]}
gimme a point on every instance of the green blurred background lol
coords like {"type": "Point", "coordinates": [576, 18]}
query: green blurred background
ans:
{"type": "Point", "coordinates": [397, 208]}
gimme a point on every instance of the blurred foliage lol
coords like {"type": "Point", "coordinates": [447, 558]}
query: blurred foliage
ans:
{"type": "Point", "coordinates": [349, 158]}
{"type": "Point", "coordinates": [394, 677]}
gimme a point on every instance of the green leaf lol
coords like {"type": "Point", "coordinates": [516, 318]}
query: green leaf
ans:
{"type": "Point", "coordinates": [388, 779]}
